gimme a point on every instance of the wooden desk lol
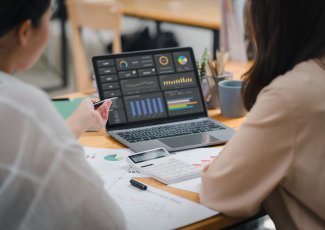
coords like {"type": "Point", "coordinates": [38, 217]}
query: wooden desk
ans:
{"type": "Point", "coordinates": [203, 14]}
{"type": "Point", "coordinates": [100, 140]}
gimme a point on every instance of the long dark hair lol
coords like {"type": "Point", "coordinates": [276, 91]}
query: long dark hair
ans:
{"type": "Point", "coordinates": [14, 12]}
{"type": "Point", "coordinates": [284, 33]}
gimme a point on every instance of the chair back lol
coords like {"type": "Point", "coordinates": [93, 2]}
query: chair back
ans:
{"type": "Point", "coordinates": [98, 15]}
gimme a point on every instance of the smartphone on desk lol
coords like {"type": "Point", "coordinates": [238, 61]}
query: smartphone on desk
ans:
{"type": "Point", "coordinates": [162, 166]}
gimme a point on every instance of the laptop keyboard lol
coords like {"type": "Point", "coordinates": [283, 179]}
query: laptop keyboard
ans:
{"type": "Point", "coordinates": [169, 131]}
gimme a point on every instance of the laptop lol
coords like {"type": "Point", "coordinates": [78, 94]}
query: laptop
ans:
{"type": "Point", "coordinates": [160, 101]}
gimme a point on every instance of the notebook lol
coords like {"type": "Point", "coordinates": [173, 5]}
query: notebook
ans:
{"type": "Point", "coordinates": [67, 107]}
{"type": "Point", "coordinates": [160, 101]}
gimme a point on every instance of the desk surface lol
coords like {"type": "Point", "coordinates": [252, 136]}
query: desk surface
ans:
{"type": "Point", "coordinates": [100, 140]}
{"type": "Point", "coordinates": [203, 13]}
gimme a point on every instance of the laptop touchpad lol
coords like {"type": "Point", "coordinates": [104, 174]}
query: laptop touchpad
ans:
{"type": "Point", "coordinates": [187, 140]}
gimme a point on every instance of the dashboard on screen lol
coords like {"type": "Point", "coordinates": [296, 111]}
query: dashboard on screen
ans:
{"type": "Point", "coordinates": [150, 85]}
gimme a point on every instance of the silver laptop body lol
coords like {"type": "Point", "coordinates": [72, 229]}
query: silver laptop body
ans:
{"type": "Point", "coordinates": [160, 100]}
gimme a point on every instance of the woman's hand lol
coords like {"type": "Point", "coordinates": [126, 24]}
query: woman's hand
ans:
{"type": "Point", "coordinates": [87, 118]}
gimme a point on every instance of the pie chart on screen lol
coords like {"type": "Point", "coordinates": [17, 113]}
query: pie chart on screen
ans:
{"type": "Point", "coordinates": [182, 60]}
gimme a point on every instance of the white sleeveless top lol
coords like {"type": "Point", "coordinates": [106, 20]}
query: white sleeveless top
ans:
{"type": "Point", "coordinates": [45, 182]}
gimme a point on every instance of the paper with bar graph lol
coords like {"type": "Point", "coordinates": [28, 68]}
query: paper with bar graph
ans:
{"type": "Point", "coordinates": [199, 157]}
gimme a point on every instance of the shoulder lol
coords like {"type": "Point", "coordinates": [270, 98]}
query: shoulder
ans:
{"type": "Point", "coordinates": [302, 74]}
{"type": "Point", "coordinates": [302, 77]}
{"type": "Point", "coordinates": [29, 98]}
{"type": "Point", "coordinates": [299, 86]}
{"type": "Point", "coordinates": [30, 104]}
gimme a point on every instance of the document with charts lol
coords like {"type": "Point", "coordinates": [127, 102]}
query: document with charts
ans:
{"type": "Point", "coordinates": [156, 209]}
{"type": "Point", "coordinates": [110, 164]}
{"type": "Point", "coordinates": [199, 157]}
{"type": "Point", "coordinates": [143, 209]}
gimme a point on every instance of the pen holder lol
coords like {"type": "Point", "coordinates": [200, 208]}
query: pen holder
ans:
{"type": "Point", "coordinates": [210, 90]}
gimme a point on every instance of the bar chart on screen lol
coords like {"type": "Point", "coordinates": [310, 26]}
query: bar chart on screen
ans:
{"type": "Point", "coordinates": [176, 81]}
{"type": "Point", "coordinates": [181, 102]}
{"type": "Point", "coordinates": [147, 106]}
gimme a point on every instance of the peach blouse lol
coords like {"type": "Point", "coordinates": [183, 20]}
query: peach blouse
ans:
{"type": "Point", "coordinates": [277, 157]}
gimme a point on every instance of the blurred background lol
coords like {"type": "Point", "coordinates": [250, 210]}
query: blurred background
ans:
{"type": "Point", "coordinates": [144, 24]}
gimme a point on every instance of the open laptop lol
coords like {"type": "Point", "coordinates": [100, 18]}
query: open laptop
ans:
{"type": "Point", "coordinates": [160, 102]}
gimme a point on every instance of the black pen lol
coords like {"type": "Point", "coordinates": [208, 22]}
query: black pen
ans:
{"type": "Point", "coordinates": [61, 99]}
{"type": "Point", "coordinates": [99, 103]}
{"type": "Point", "coordinates": [138, 185]}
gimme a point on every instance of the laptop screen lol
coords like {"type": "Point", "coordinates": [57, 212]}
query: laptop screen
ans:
{"type": "Point", "coordinates": [152, 86]}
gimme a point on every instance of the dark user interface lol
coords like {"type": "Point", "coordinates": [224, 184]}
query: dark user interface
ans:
{"type": "Point", "coordinates": [150, 86]}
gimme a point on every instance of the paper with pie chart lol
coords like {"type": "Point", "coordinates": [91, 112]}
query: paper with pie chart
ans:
{"type": "Point", "coordinates": [110, 164]}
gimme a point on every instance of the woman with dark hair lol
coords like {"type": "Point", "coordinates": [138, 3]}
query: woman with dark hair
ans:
{"type": "Point", "coordinates": [276, 159]}
{"type": "Point", "coordinates": [45, 182]}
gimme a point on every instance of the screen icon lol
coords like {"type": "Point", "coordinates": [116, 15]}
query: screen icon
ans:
{"type": "Point", "coordinates": [165, 63]}
{"type": "Point", "coordinates": [123, 64]}
{"type": "Point", "coordinates": [163, 60]}
{"type": "Point", "coordinates": [182, 60]}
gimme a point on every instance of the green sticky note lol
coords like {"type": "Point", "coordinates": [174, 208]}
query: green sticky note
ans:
{"type": "Point", "coordinates": [66, 108]}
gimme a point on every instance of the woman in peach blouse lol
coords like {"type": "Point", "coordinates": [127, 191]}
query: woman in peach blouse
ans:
{"type": "Point", "coordinates": [276, 159]}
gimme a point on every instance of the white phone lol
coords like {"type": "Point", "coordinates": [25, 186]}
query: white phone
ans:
{"type": "Point", "coordinates": [162, 166]}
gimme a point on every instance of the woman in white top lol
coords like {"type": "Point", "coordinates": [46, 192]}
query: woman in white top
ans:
{"type": "Point", "coordinates": [276, 159]}
{"type": "Point", "coordinates": [45, 182]}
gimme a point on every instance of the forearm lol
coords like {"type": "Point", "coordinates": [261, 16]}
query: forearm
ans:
{"type": "Point", "coordinates": [255, 161]}
{"type": "Point", "coordinates": [75, 126]}
{"type": "Point", "coordinates": [86, 118]}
